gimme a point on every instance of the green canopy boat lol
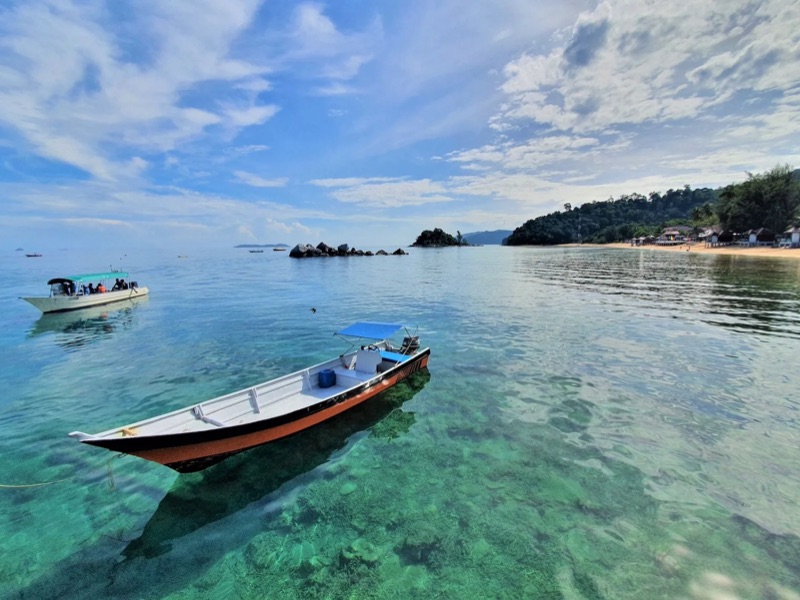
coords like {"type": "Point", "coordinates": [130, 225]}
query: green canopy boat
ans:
{"type": "Point", "coordinates": [74, 292]}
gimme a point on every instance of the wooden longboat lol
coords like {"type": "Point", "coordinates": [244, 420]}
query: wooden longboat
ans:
{"type": "Point", "coordinates": [195, 437]}
{"type": "Point", "coordinates": [71, 292]}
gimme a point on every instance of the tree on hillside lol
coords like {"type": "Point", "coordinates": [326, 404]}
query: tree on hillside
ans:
{"type": "Point", "coordinates": [703, 216]}
{"type": "Point", "coordinates": [769, 200]}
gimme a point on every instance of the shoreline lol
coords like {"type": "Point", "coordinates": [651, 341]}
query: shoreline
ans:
{"type": "Point", "coordinates": [699, 248]}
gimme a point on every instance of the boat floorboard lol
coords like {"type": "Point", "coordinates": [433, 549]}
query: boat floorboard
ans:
{"type": "Point", "coordinates": [299, 401]}
{"type": "Point", "coordinates": [307, 397]}
{"type": "Point", "coordinates": [241, 412]}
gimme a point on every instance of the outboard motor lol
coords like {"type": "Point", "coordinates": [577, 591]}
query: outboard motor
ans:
{"type": "Point", "coordinates": [410, 344]}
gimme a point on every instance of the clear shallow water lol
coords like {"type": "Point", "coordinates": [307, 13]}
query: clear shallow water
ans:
{"type": "Point", "coordinates": [593, 424]}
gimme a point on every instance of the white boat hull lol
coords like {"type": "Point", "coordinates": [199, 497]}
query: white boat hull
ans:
{"type": "Point", "coordinates": [51, 304]}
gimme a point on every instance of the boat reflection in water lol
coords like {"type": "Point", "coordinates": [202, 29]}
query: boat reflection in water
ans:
{"type": "Point", "coordinates": [267, 474]}
{"type": "Point", "coordinates": [79, 328]}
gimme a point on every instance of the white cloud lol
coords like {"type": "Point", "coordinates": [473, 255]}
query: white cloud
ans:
{"type": "Point", "coordinates": [73, 93]}
{"type": "Point", "coordinates": [257, 181]}
{"type": "Point", "coordinates": [300, 227]}
{"type": "Point", "coordinates": [97, 224]}
{"type": "Point", "coordinates": [387, 193]}
{"type": "Point", "coordinates": [335, 89]}
{"type": "Point", "coordinates": [313, 48]}
{"type": "Point", "coordinates": [251, 115]}
{"type": "Point", "coordinates": [245, 150]}
{"type": "Point", "coordinates": [628, 62]}
{"type": "Point", "coordinates": [256, 85]}
{"type": "Point", "coordinates": [532, 154]}
{"type": "Point", "coordinates": [350, 181]}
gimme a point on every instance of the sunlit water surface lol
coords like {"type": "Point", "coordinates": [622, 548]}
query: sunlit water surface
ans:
{"type": "Point", "coordinates": [593, 424]}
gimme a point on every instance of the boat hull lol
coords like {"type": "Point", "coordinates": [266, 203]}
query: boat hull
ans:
{"type": "Point", "coordinates": [53, 304]}
{"type": "Point", "coordinates": [195, 451]}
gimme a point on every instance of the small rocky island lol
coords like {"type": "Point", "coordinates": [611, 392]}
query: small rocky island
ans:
{"type": "Point", "coordinates": [438, 239]}
{"type": "Point", "coordinates": [322, 249]}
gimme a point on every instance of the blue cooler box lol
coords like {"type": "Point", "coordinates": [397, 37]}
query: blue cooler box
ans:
{"type": "Point", "coordinates": [327, 378]}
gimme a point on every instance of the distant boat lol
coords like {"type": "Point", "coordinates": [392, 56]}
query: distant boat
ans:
{"type": "Point", "coordinates": [71, 293]}
{"type": "Point", "coordinates": [34, 255]}
{"type": "Point", "coordinates": [279, 249]}
{"type": "Point", "coordinates": [195, 437]}
{"type": "Point", "coordinates": [256, 251]}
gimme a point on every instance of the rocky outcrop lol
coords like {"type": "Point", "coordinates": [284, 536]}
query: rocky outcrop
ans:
{"type": "Point", "coordinates": [322, 249]}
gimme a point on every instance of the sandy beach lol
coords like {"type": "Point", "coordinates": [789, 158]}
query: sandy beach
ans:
{"type": "Point", "coordinates": [699, 248]}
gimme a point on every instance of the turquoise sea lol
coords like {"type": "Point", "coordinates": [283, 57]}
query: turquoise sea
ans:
{"type": "Point", "coordinates": [594, 423]}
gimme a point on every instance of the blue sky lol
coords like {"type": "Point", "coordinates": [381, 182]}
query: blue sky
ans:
{"type": "Point", "coordinates": [216, 123]}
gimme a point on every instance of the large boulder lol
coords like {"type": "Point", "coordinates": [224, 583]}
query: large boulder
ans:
{"type": "Point", "coordinates": [399, 252]}
{"type": "Point", "coordinates": [302, 251]}
{"type": "Point", "coordinates": [326, 250]}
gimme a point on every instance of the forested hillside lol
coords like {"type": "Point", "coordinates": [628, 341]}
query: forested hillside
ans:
{"type": "Point", "coordinates": [770, 200]}
{"type": "Point", "coordinates": [612, 220]}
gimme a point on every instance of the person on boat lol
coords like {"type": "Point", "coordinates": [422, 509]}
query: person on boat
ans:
{"type": "Point", "coordinates": [91, 289]}
{"type": "Point", "coordinates": [117, 285]}
{"type": "Point", "coordinates": [100, 289]}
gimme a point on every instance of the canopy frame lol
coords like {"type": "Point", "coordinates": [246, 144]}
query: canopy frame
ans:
{"type": "Point", "coordinates": [370, 330]}
{"type": "Point", "coordinates": [89, 277]}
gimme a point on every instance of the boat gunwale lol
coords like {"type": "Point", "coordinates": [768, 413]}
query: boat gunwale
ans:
{"type": "Point", "coordinates": [142, 442]}
{"type": "Point", "coordinates": [108, 297]}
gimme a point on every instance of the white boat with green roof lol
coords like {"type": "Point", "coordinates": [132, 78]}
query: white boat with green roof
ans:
{"type": "Point", "coordinates": [81, 291]}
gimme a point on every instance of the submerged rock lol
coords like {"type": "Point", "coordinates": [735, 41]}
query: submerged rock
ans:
{"type": "Point", "coordinates": [361, 551]}
{"type": "Point", "coordinates": [348, 488]}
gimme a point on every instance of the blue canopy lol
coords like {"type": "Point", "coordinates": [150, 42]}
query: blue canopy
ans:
{"type": "Point", "coordinates": [372, 331]}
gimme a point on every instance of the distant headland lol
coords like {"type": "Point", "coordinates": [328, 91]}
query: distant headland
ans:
{"type": "Point", "coordinates": [438, 238]}
{"type": "Point", "coordinates": [488, 238]}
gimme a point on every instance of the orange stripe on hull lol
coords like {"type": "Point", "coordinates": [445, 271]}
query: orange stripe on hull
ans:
{"type": "Point", "coordinates": [173, 456]}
